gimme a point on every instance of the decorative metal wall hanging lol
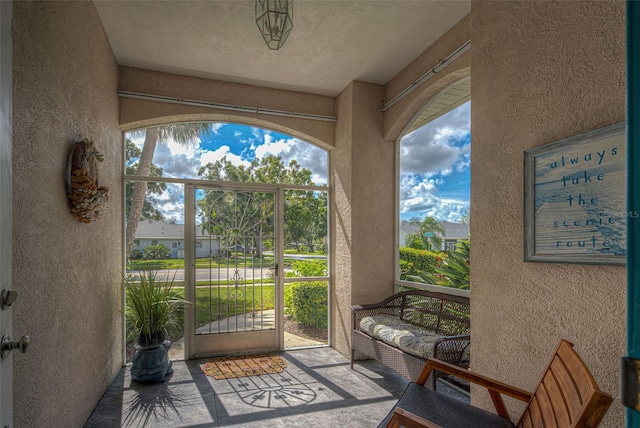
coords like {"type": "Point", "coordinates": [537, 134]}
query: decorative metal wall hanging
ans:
{"type": "Point", "coordinates": [275, 21]}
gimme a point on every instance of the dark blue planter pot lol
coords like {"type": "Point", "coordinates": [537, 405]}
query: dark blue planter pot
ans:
{"type": "Point", "coordinates": [151, 361]}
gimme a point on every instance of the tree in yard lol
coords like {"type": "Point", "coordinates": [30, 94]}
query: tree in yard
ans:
{"type": "Point", "coordinates": [182, 133]}
{"type": "Point", "coordinates": [306, 217]}
{"type": "Point", "coordinates": [149, 209]}
{"type": "Point", "coordinates": [464, 218]}
{"type": "Point", "coordinates": [249, 214]}
{"type": "Point", "coordinates": [429, 235]}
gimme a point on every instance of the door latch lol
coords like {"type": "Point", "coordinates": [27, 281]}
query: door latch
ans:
{"type": "Point", "coordinates": [7, 345]}
{"type": "Point", "coordinates": [7, 297]}
{"type": "Point", "coordinates": [274, 269]}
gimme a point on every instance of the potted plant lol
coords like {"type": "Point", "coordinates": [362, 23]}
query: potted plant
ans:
{"type": "Point", "coordinates": [153, 309]}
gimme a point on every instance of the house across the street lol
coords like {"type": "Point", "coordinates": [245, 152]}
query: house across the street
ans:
{"type": "Point", "coordinates": [172, 236]}
{"type": "Point", "coordinates": [454, 232]}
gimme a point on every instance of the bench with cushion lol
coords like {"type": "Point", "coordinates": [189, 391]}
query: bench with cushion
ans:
{"type": "Point", "coordinates": [406, 329]}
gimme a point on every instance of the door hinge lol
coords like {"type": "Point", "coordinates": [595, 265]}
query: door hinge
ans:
{"type": "Point", "coordinates": [630, 382]}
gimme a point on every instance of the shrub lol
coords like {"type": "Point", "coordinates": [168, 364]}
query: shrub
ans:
{"type": "Point", "coordinates": [308, 268]}
{"type": "Point", "coordinates": [455, 271]}
{"type": "Point", "coordinates": [156, 252]}
{"type": "Point", "coordinates": [306, 302]}
{"type": "Point", "coordinates": [135, 254]}
{"type": "Point", "coordinates": [413, 261]}
{"type": "Point", "coordinates": [309, 301]}
{"type": "Point", "coordinates": [319, 245]}
{"type": "Point", "coordinates": [288, 299]}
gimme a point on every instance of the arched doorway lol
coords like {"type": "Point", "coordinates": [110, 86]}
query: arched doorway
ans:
{"type": "Point", "coordinates": [239, 213]}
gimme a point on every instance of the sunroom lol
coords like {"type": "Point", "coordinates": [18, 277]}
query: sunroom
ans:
{"type": "Point", "coordinates": [350, 80]}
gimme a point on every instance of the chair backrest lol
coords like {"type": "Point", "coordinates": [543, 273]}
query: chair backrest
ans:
{"type": "Point", "coordinates": [567, 395]}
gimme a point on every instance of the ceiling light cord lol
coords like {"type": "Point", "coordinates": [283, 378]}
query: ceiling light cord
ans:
{"type": "Point", "coordinates": [221, 106]}
{"type": "Point", "coordinates": [429, 74]}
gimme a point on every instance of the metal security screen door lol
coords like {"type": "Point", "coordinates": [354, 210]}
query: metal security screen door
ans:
{"type": "Point", "coordinates": [231, 261]}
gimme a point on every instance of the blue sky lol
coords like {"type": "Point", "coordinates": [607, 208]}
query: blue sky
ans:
{"type": "Point", "coordinates": [434, 168]}
{"type": "Point", "coordinates": [240, 144]}
{"type": "Point", "coordinates": [434, 163]}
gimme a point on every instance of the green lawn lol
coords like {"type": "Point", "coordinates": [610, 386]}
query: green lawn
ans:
{"type": "Point", "coordinates": [218, 303]}
{"type": "Point", "coordinates": [304, 253]}
{"type": "Point", "coordinates": [240, 260]}
{"type": "Point", "coordinates": [213, 303]}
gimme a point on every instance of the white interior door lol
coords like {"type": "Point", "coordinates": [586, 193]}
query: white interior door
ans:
{"type": "Point", "coordinates": [6, 381]}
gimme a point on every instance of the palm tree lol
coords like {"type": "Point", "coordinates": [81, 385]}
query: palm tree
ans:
{"type": "Point", "coordinates": [429, 235]}
{"type": "Point", "coordinates": [182, 133]}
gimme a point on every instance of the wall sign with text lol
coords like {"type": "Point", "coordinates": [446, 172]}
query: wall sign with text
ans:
{"type": "Point", "coordinates": [575, 199]}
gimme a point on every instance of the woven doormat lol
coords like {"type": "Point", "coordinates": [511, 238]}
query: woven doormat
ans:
{"type": "Point", "coordinates": [241, 366]}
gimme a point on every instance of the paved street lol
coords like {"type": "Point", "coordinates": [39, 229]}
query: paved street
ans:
{"type": "Point", "coordinates": [215, 274]}
{"type": "Point", "coordinates": [203, 274]}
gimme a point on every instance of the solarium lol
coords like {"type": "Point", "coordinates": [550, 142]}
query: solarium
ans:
{"type": "Point", "coordinates": [540, 72]}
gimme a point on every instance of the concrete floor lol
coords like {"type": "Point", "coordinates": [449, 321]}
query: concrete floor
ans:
{"type": "Point", "coordinates": [317, 389]}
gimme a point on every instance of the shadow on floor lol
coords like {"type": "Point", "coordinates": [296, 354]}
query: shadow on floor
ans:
{"type": "Point", "coordinates": [317, 389]}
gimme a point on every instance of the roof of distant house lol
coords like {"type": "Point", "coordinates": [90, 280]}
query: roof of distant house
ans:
{"type": "Point", "coordinates": [154, 229]}
{"type": "Point", "coordinates": [451, 230]}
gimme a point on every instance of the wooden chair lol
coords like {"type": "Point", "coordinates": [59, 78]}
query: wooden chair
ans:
{"type": "Point", "coordinates": [566, 396]}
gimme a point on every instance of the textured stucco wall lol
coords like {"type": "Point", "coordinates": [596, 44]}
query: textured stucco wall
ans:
{"type": "Point", "coordinates": [67, 274]}
{"type": "Point", "coordinates": [373, 181]}
{"type": "Point", "coordinates": [541, 71]}
{"type": "Point", "coordinates": [341, 223]}
{"type": "Point", "coordinates": [135, 113]}
{"type": "Point", "coordinates": [363, 212]}
{"type": "Point", "coordinates": [403, 113]}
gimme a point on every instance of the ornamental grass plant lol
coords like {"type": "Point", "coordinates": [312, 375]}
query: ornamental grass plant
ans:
{"type": "Point", "coordinates": [154, 307]}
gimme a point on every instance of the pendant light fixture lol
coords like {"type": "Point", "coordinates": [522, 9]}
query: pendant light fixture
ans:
{"type": "Point", "coordinates": [275, 21]}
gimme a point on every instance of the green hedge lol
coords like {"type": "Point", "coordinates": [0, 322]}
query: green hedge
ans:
{"type": "Point", "coordinates": [412, 261]}
{"type": "Point", "coordinates": [307, 303]}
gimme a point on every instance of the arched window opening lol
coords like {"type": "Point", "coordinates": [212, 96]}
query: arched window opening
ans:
{"type": "Point", "coordinates": [237, 217]}
{"type": "Point", "coordinates": [434, 194]}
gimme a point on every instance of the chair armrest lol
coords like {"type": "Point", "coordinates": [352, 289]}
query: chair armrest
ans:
{"type": "Point", "coordinates": [365, 307]}
{"type": "Point", "coordinates": [468, 375]}
{"type": "Point", "coordinates": [404, 418]}
{"type": "Point", "coordinates": [495, 388]}
{"type": "Point", "coordinates": [451, 348]}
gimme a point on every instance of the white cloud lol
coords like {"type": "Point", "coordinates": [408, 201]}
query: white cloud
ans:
{"type": "Point", "coordinates": [189, 149]}
{"type": "Point", "coordinates": [419, 198]}
{"type": "Point", "coordinates": [211, 156]}
{"type": "Point", "coordinates": [269, 146]}
{"type": "Point", "coordinates": [428, 154]}
{"type": "Point", "coordinates": [433, 153]}
{"type": "Point", "coordinates": [171, 203]}
{"type": "Point", "coordinates": [436, 147]}
{"type": "Point", "coordinates": [215, 127]}
{"type": "Point", "coordinates": [307, 155]}
{"type": "Point", "coordinates": [182, 165]}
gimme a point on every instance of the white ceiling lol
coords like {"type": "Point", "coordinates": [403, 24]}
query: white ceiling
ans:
{"type": "Point", "coordinates": [332, 42]}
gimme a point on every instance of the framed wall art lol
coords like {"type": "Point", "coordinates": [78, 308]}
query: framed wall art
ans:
{"type": "Point", "coordinates": [575, 199]}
